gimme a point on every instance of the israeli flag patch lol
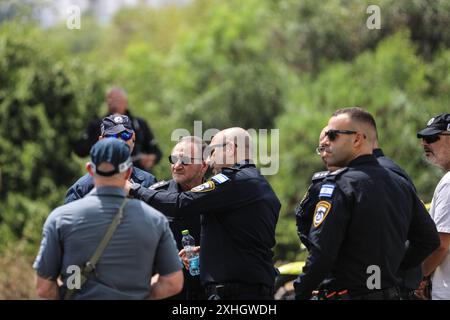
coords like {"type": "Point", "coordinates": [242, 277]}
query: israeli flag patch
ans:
{"type": "Point", "coordinates": [327, 190]}
{"type": "Point", "coordinates": [220, 178]}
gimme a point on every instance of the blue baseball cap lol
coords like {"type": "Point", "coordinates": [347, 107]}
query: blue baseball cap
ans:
{"type": "Point", "coordinates": [112, 151]}
{"type": "Point", "coordinates": [116, 123]}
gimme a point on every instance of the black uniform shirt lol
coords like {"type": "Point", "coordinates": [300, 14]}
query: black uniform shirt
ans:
{"type": "Point", "coordinates": [363, 218]}
{"type": "Point", "coordinates": [240, 212]}
{"type": "Point", "coordinates": [180, 223]}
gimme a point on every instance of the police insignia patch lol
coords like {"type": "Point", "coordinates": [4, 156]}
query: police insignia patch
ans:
{"type": "Point", "coordinates": [204, 187]}
{"type": "Point", "coordinates": [321, 212]}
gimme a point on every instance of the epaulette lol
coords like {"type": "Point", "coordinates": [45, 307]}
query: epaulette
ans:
{"type": "Point", "coordinates": [229, 170]}
{"type": "Point", "coordinates": [319, 175]}
{"type": "Point", "coordinates": [159, 184]}
{"type": "Point", "coordinates": [333, 175]}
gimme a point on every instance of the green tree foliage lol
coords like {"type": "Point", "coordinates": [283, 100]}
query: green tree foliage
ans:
{"type": "Point", "coordinates": [44, 104]}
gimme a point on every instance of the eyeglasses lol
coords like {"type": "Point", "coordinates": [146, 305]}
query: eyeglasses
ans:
{"type": "Point", "coordinates": [124, 135]}
{"type": "Point", "coordinates": [434, 138]}
{"type": "Point", "coordinates": [173, 159]}
{"type": "Point", "coordinates": [333, 134]}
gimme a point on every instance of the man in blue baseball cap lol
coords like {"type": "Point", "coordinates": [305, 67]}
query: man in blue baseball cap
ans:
{"type": "Point", "coordinates": [120, 269]}
{"type": "Point", "coordinates": [114, 126]}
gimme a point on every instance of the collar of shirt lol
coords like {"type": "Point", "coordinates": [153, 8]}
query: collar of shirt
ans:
{"type": "Point", "coordinates": [378, 152]}
{"type": "Point", "coordinates": [244, 164]}
{"type": "Point", "coordinates": [364, 159]}
{"type": "Point", "coordinates": [108, 191]}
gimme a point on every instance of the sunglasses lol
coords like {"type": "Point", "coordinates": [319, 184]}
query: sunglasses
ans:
{"type": "Point", "coordinates": [333, 134]}
{"type": "Point", "coordinates": [434, 138]}
{"type": "Point", "coordinates": [173, 159]}
{"type": "Point", "coordinates": [124, 135]}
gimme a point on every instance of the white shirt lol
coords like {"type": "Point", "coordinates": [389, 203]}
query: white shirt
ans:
{"type": "Point", "coordinates": [440, 212]}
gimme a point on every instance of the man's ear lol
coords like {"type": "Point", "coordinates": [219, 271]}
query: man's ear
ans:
{"type": "Point", "coordinates": [205, 167]}
{"type": "Point", "coordinates": [129, 172]}
{"type": "Point", "coordinates": [89, 168]}
{"type": "Point", "coordinates": [359, 139]}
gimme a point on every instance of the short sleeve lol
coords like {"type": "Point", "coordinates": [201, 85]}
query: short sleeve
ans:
{"type": "Point", "coordinates": [48, 260]}
{"type": "Point", "coordinates": [166, 259]}
{"type": "Point", "coordinates": [441, 214]}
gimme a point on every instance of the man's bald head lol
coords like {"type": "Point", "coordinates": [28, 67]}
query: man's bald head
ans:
{"type": "Point", "coordinates": [230, 146]}
{"type": "Point", "coordinates": [117, 100]}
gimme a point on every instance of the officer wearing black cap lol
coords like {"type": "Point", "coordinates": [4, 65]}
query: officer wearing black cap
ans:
{"type": "Point", "coordinates": [362, 218]}
{"type": "Point", "coordinates": [138, 241]}
{"type": "Point", "coordinates": [240, 211]}
{"type": "Point", "coordinates": [119, 127]}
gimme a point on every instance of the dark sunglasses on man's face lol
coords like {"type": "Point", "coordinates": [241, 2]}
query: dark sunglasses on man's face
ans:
{"type": "Point", "coordinates": [173, 159]}
{"type": "Point", "coordinates": [124, 135]}
{"type": "Point", "coordinates": [434, 138]}
{"type": "Point", "coordinates": [333, 134]}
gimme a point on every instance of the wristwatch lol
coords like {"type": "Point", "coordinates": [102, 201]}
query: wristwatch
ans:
{"type": "Point", "coordinates": [134, 190]}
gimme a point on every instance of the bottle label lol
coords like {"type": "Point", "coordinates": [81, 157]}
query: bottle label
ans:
{"type": "Point", "coordinates": [194, 265]}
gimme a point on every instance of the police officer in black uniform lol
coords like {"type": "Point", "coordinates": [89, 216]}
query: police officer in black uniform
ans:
{"type": "Point", "coordinates": [305, 210]}
{"type": "Point", "coordinates": [113, 126]}
{"type": "Point", "coordinates": [363, 216]}
{"type": "Point", "coordinates": [240, 211]}
{"type": "Point", "coordinates": [188, 170]}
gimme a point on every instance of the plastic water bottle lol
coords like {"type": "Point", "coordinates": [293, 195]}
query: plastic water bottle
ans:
{"type": "Point", "coordinates": [194, 261]}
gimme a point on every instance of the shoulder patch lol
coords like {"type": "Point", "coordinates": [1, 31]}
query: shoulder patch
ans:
{"type": "Point", "coordinates": [159, 184]}
{"type": "Point", "coordinates": [319, 175]}
{"type": "Point", "coordinates": [220, 178]}
{"type": "Point", "coordinates": [204, 187]}
{"type": "Point", "coordinates": [321, 212]}
{"type": "Point", "coordinates": [327, 190]}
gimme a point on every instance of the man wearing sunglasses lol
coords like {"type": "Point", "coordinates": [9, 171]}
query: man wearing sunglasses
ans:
{"type": "Point", "coordinates": [115, 126]}
{"type": "Point", "coordinates": [305, 210]}
{"type": "Point", "coordinates": [436, 144]}
{"type": "Point", "coordinates": [362, 218]}
{"type": "Point", "coordinates": [240, 211]}
{"type": "Point", "coordinates": [188, 170]}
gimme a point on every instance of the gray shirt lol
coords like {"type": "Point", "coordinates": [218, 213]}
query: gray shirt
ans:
{"type": "Point", "coordinates": [141, 245]}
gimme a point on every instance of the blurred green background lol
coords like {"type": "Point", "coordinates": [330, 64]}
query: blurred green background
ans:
{"type": "Point", "coordinates": [284, 64]}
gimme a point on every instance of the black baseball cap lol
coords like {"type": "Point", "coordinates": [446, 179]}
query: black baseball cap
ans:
{"type": "Point", "coordinates": [113, 151]}
{"type": "Point", "coordinates": [435, 126]}
{"type": "Point", "coordinates": [116, 123]}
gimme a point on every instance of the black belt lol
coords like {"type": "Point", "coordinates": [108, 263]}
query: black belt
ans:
{"type": "Point", "coordinates": [383, 294]}
{"type": "Point", "coordinates": [233, 290]}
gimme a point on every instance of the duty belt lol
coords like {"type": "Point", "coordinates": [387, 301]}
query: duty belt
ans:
{"type": "Point", "coordinates": [219, 291]}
